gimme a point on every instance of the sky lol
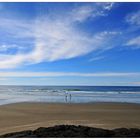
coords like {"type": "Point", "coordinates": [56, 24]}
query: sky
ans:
{"type": "Point", "coordinates": [70, 43]}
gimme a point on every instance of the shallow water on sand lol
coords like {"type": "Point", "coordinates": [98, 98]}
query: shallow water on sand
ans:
{"type": "Point", "coordinates": [69, 94]}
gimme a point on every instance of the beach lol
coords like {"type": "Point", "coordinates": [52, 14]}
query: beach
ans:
{"type": "Point", "coordinates": [29, 116]}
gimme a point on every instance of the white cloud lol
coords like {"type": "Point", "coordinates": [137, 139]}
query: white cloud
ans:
{"type": "Point", "coordinates": [57, 74]}
{"type": "Point", "coordinates": [53, 38]}
{"type": "Point", "coordinates": [96, 58]}
{"type": "Point", "coordinates": [135, 42]}
{"type": "Point", "coordinates": [108, 5]}
{"type": "Point", "coordinates": [81, 13]}
{"type": "Point", "coordinates": [5, 47]}
{"type": "Point", "coordinates": [133, 18]}
{"type": "Point", "coordinates": [134, 21]}
{"type": "Point", "coordinates": [62, 47]}
{"type": "Point", "coordinates": [63, 41]}
{"type": "Point", "coordinates": [17, 28]}
{"type": "Point", "coordinates": [11, 61]}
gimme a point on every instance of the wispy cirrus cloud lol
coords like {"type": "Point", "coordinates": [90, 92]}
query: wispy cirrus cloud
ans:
{"type": "Point", "coordinates": [54, 39]}
{"type": "Point", "coordinates": [81, 13]}
{"type": "Point", "coordinates": [58, 51]}
{"type": "Point", "coordinates": [57, 74]}
{"type": "Point", "coordinates": [133, 18]}
{"type": "Point", "coordinates": [135, 42]}
{"type": "Point", "coordinates": [96, 58]}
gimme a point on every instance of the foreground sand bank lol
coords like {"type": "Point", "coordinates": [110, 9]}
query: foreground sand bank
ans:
{"type": "Point", "coordinates": [25, 116]}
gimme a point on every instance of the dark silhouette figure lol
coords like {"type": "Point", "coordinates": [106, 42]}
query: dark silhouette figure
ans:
{"type": "Point", "coordinates": [70, 97]}
{"type": "Point", "coordinates": [66, 99]}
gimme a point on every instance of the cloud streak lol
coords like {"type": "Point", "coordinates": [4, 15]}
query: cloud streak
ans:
{"type": "Point", "coordinates": [60, 74]}
{"type": "Point", "coordinates": [135, 42]}
{"type": "Point", "coordinates": [96, 58]}
{"type": "Point", "coordinates": [133, 18]}
{"type": "Point", "coordinates": [55, 38]}
{"type": "Point", "coordinates": [81, 13]}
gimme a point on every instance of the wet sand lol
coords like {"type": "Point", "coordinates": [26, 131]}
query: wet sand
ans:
{"type": "Point", "coordinates": [25, 116]}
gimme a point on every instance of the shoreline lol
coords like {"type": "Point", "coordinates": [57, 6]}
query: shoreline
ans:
{"type": "Point", "coordinates": [77, 103]}
{"type": "Point", "coordinates": [31, 115]}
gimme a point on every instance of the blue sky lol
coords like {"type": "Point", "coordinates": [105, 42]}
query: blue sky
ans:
{"type": "Point", "coordinates": [70, 43]}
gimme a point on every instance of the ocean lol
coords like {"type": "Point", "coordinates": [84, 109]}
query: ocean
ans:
{"type": "Point", "coordinates": [69, 94]}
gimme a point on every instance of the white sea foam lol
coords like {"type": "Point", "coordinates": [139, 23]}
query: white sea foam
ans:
{"type": "Point", "coordinates": [13, 94]}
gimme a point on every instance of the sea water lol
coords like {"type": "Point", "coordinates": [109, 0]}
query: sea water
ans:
{"type": "Point", "coordinates": [69, 94]}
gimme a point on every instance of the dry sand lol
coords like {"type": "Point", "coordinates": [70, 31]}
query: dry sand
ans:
{"type": "Point", "coordinates": [25, 116]}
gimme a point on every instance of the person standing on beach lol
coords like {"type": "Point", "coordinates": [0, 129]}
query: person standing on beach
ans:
{"type": "Point", "coordinates": [66, 96]}
{"type": "Point", "coordinates": [70, 97]}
